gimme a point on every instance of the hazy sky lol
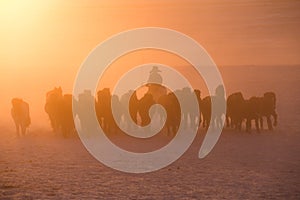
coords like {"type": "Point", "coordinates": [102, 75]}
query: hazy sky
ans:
{"type": "Point", "coordinates": [43, 43]}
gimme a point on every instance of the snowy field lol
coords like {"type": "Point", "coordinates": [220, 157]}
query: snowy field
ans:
{"type": "Point", "coordinates": [241, 166]}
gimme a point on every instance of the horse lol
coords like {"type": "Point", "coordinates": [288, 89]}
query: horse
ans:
{"type": "Point", "coordinates": [83, 109]}
{"type": "Point", "coordinates": [268, 109]}
{"type": "Point", "coordinates": [206, 110]}
{"type": "Point", "coordinates": [252, 111]}
{"type": "Point", "coordinates": [255, 108]}
{"type": "Point", "coordinates": [173, 112]}
{"type": "Point", "coordinates": [104, 110]}
{"type": "Point", "coordinates": [54, 99]}
{"type": "Point", "coordinates": [234, 114]}
{"type": "Point", "coordinates": [20, 115]}
{"type": "Point", "coordinates": [66, 115]}
{"type": "Point", "coordinates": [59, 109]}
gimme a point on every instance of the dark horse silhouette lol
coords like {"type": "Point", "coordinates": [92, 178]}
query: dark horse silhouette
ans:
{"type": "Point", "coordinates": [258, 107]}
{"type": "Point", "coordinates": [59, 109]}
{"type": "Point", "coordinates": [83, 109]}
{"type": "Point", "coordinates": [52, 107]}
{"type": "Point", "coordinates": [255, 108]}
{"type": "Point", "coordinates": [235, 113]}
{"type": "Point", "coordinates": [205, 105]}
{"type": "Point", "coordinates": [268, 109]}
{"type": "Point", "coordinates": [171, 105]}
{"type": "Point", "coordinates": [251, 111]}
{"type": "Point", "coordinates": [143, 108]}
{"type": "Point", "coordinates": [67, 120]}
{"type": "Point", "coordinates": [104, 111]}
{"type": "Point", "coordinates": [20, 115]}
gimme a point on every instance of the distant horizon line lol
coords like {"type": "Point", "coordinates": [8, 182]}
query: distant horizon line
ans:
{"type": "Point", "coordinates": [255, 65]}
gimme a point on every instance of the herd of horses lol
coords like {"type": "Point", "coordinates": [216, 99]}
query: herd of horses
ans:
{"type": "Point", "coordinates": [59, 108]}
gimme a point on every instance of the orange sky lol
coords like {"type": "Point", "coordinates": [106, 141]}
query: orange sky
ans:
{"type": "Point", "coordinates": [43, 43]}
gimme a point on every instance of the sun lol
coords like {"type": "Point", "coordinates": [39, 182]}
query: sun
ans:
{"type": "Point", "coordinates": [14, 8]}
{"type": "Point", "coordinates": [22, 14]}
{"type": "Point", "coordinates": [22, 25]}
{"type": "Point", "coordinates": [16, 12]}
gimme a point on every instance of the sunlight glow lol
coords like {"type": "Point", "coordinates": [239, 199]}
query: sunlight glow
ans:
{"type": "Point", "coordinates": [18, 11]}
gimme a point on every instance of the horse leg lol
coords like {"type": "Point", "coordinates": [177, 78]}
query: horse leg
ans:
{"type": "Point", "coordinates": [208, 121]}
{"type": "Point", "coordinates": [17, 129]}
{"type": "Point", "coordinates": [274, 114]}
{"type": "Point", "coordinates": [169, 127]}
{"type": "Point", "coordinates": [238, 124]}
{"type": "Point", "coordinates": [52, 122]}
{"type": "Point", "coordinates": [185, 120]}
{"type": "Point", "coordinates": [227, 121]}
{"type": "Point", "coordinates": [270, 127]}
{"type": "Point", "coordinates": [64, 130]}
{"type": "Point", "coordinates": [162, 119]}
{"type": "Point", "coordinates": [248, 125]}
{"type": "Point", "coordinates": [200, 120]}
{"type": "Point", "coordinates": [257, 125]}
{"type": "Point", "coordinates": [233, 123]}
{"type": "Point", "coordinates": [192, 121]}
{"type": "Point", "coordinates": [172, 130]}
{"type": "Point", "coordinates": [261, 120]}
{"type": "Point", "coordinates": [204, 122]}
{"type": "Point", "coordinates": [219, 122]}
{"type": "Point", "coordinates": [23, 129]}
{"type": "Point", "coordinates": [197, 122]}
